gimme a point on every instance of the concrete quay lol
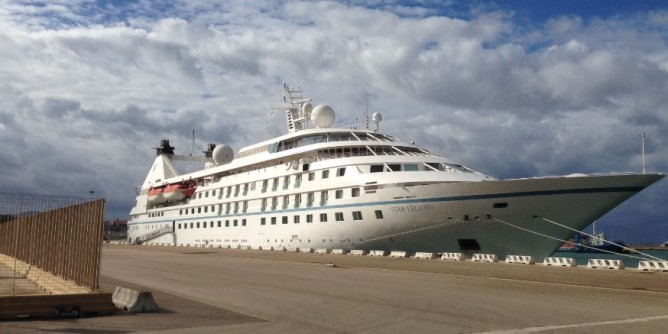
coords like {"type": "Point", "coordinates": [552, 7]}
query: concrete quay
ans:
{"type": "Point", "coordinates": [203, 290]}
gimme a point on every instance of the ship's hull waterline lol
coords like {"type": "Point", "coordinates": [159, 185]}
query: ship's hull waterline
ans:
{"type": "Point", "coordinates": [499, 217]}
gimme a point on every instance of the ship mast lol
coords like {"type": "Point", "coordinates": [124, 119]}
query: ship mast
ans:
{"type": "Point", "coordinates": [298, 110]}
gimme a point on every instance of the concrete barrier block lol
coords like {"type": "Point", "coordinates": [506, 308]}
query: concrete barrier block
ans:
{"type": "Point", "coordinates": [133, 301]}
{"type": "Point", "coordinates": [452, 256]}
{"type": "Point", "coordinates": [339, 251]}
{"type": "Point", "coordinates": [605, 264]}
{"type": "Point", "coordinates": [322, 251]}
{"type": "Point", "coordinates": [658, 266]}
{"type": "Point", "coordinates": [397, 254]}
{"type": "Point", "coordinates": [358, 252]}
{"type": "Point", "coordinates": [424, 255]}
{"type": "Point", "coordinates": [293, 249]}
{"type": "Point", "coordinates": [480, 257]}
{"type": "Point", "coordinates": [560, 262]}
{"type": "Point", "coordinates": [520, 259]}
{"type": "Point", "coordinates": [379, 253]}
{"type": "Point", "coordinates": [306, 250]}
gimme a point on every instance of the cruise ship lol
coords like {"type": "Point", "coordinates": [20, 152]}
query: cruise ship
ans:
{"type": "Point", "coordinates": [359, 188]}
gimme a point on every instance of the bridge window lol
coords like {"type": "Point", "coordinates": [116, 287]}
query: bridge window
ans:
{"type": "Point", "coordinates": [410, 167]}
{"type": "Point", "coordinates": [376, 168]}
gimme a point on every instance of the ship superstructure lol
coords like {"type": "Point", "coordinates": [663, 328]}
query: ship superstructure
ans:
{"type": "Point", "coordinates": [324, 187]}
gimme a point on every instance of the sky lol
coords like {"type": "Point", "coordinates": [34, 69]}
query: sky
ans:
{"type": "Point", "coordinates": [511, 88]}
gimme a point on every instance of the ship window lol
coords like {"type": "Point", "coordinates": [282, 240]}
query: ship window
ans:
{"type": "Point", "coordinates": [243, 222]}
{"type": "Point", "coordinates": [296, 219]}
{"type": "Point", "coordinates": [323, 217]}
{"type": "Point", "coordinates": [311, 176]}
{"type": "Point", "coordinates": [204, 224]}
{"type": "Point", "coordinates": [263, 221]}
{"type": "Point", "coordinates": [376, 168]}
{"type": "Point", "coordinates": [206, 194]}
{"type": "Point", "coordinates": [180, 213]}
{"type": "Point", "coordinates": [235, 222]}
{"type": "Point", "coordinates": [357, 215]}
{"type": "Point", "coordinates": [339, 194]}
{"type": "Point", "coordinates": [410, 167]}
{"type": "Point", "coordinates": [286, 182]}
{"type": "Point", "coordinates": [355, 192]}
{"type": "Point", "coordinates": [211, 224]}
{"type": "Point", "coordinates": [394, 167]}
{"type": "Point", "coordinates": [379, 214]}
{"type": "Point", "coordinates": [227, 223]}
{"type": "Point", "coordinates": [179, 226]}
{"type": "Point", "coordinates": [197, 224]}
{"type": "Point", "coordinates": [199, 210]}
{"type": "Point", "coordinates": [309, 218]}
{"type": "Point", "coordinates": [325, 174]}
{"type": "Point", "coordinates": [284, 219]}
{"type": "Point", "coordinates": [191, 225]}
{"type": "Point", "coordinates": [185, 226]}
{"type": "Point", "coordinates": [305, 167]}
{"type": "Point", "coordinates": [273, 220]}
{"type": "Point", "coordinates": [219, 223]}
{"type": "Point", "coordinates": [338, 216]}
{"type": "Point", "coordinates": [341, 171]}
{"type": "Point", "coordinates": [500, 205]}
{"type": "Point", "coordinates": [213, 193]}
{"type": "Point", "coordinates": [192, 210]}
{"type": "Point", "coordinates": [206, 209]}
{"type": "Point", "coordinates": [274, 185]}
{"type": "Point", "coordinates": [213, 208]}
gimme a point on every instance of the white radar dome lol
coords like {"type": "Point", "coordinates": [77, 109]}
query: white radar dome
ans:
{"type": "Point", "coordinates": [377, 117]}
{"type": "Point", "coordinates": [322, 116]}
{"type": "Point", "coordinates": [222, 154]}
{"type": "Point", "coordinates": [307, 108]}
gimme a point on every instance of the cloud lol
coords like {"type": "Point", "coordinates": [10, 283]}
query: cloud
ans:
{"type": "Point", "coordinates": [87, 90]}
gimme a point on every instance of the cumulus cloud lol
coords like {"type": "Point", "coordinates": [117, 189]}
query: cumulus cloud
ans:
{"type": "Point", "coordinates": [87, 90]}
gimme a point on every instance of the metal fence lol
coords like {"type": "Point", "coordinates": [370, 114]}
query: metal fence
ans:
{"type": "Point", "coordinates": [49, 244]}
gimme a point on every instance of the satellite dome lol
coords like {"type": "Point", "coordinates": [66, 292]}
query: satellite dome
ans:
{"type": "Point", "coordinates": [322, 116]}
{"type": "Point", "coordinates": [377, 117]}
{"type": "Point", "coordinates": [307, 108]}
{"type": "Point", "coordinates": [222, 154]}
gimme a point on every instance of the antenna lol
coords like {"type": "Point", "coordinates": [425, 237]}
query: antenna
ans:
{"type": "Point", "coordinates": [192, 153]}
{"type": "Point", "coordinates": [366, 114]}
{"type": "Point", "coordinates": [643, 153]}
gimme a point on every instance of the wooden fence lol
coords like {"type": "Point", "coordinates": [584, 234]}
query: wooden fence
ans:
{"type": "Point", "coordinates": [64, 241]}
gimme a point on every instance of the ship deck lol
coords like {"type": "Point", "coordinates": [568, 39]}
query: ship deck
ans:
{"type": "Point", "coordinates": [240, 291]}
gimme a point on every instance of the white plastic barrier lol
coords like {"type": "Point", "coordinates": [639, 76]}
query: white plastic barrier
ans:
{"type": "Point", "coordinates": [424, 255]}
{"type": "Point", "coordinates": [452, 256]}
{"type": "Point", "coordinates": [322, 251]}
{"type": "Point", "coordinates": [339, 251]}
{"type": "Point", "coordinates": [479, 257]}
{"type": "Point", "coordinates": [358, 252]}
{"type": "Point", "coordinates": [560, 262]}
{"type": "Point", "coordinates": [306, 250]}
{"type": "Point", "coordinates": [397, 254]}
{"type": "Point", "coordinates": [605, 264]}
{"type": "Point", "coordinates": [377, 253]}
{"type": "Point", "coordinates": [521, 259]}
{"type": "Point", "coordinates": [660, 266]}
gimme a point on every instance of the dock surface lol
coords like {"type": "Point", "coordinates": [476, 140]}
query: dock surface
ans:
{"type": "Point", "coordinates": [243, 291]}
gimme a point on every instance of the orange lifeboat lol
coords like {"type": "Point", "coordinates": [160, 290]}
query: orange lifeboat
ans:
{"type": "Point", "coordinates": [171, 192]}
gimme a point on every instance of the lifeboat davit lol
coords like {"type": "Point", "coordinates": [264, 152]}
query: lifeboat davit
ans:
{"type": "Point", "coordinates": [171, 192]}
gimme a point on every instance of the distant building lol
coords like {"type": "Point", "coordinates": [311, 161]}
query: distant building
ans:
{"type": "Point", "coordinates": [116, 229]}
